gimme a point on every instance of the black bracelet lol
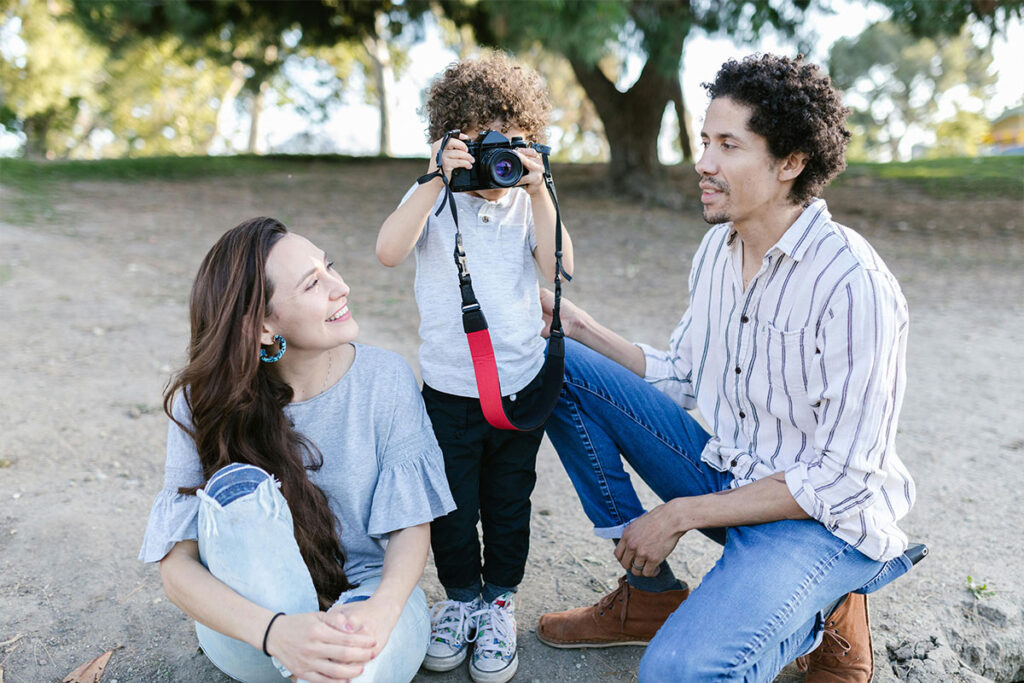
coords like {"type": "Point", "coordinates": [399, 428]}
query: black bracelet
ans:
{"type": "Point", "coordinates": [266, 633]}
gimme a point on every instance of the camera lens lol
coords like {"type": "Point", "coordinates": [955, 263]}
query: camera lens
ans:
{"type": "Point", "coordinates": [504, 167]}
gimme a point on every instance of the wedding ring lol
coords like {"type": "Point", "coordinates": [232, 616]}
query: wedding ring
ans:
{"type": "Point", "coordinates": [639, 566]}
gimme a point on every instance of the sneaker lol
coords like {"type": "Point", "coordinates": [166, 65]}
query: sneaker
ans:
{"type": "Point", "coordinates": [450, 625]}
{"type": "Point", "coordinates": [626, 616]}
{"type": "Point", "coordinates": [495, 659]}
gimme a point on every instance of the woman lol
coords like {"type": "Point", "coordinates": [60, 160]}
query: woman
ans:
{"type": "Point", "coordinates": [301, 476]}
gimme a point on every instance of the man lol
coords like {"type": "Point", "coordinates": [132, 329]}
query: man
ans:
{"type": "Point", "coordinates": [792, 350]}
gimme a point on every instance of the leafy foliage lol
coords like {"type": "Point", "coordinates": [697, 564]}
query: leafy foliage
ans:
{"type": "Point", "coordinates": [894, 80]}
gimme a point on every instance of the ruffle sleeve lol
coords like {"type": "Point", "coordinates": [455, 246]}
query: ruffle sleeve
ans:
{"type": "Point", "coordinates": [173, 517]}
{"type": "Point", "coordinates": [410, 491]}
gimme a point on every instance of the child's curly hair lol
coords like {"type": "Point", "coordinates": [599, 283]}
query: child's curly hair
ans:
{"type": "Point", "coordinates": [795, 109]}
{"type": "Point", "coordinates": [473, 93]}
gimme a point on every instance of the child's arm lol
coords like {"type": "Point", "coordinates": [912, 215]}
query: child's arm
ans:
{"type": "Point", "coordinates": [544, 218]}
{"type": "Point", "coordinates": [402, 228]}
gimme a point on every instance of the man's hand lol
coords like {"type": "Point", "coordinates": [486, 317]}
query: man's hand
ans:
{"type": "Point", "coordinates": [571, 315]}
{"type": "Point", "coordinates": [649, 539]}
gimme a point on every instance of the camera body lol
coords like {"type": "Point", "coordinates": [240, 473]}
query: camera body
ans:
{"type": "Point", "coordinates": [495, 165]}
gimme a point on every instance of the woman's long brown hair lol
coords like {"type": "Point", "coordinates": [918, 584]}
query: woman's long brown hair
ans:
{"type": "Point", "coordinates": [237, 403]}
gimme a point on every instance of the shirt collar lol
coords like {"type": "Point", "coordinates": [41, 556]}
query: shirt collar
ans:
{"type": "Point", "coordinates": [798, 238]}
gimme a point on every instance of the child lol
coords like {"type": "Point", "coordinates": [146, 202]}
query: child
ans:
{"type": "Point", "coordinates": [505, 232]}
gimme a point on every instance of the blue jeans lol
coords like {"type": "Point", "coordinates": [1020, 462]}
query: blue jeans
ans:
{"type": "Point", "coordinates": [763, 603]}
{"type": "Point", "coordinates": [246, 540]}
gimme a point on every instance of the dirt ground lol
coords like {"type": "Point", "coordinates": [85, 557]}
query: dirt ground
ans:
{"type": "Point", "coordinates": [93, 319]}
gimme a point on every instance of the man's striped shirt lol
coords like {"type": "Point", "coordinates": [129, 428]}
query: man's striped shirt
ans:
{"type": "Point", "coordinates": [803, 372]}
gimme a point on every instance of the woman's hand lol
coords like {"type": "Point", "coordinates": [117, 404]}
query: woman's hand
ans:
{"type": "Point", "coordinates": [456, 155]}
{"type": "Point", "coordinates": [320, 647]}
{"type": "Point", "coordinates": [375, 617]}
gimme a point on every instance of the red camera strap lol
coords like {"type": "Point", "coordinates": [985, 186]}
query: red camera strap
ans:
{"type": "Point", "coordinates": [485, 368]}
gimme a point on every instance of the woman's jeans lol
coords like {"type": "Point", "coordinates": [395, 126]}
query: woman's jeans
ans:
{"type": "Point", "coordinates": [763, 603]}
{"type": "Point", "coordinates": [246, 540]}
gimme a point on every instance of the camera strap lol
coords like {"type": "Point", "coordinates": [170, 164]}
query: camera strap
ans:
{"type": "Point", "coordinates": [485, 366]}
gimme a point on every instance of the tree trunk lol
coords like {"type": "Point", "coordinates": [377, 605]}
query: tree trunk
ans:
{"type": "Point", "coordinates": [35, 129]}
{"type": "Point", "coordinates": [227, 102]}
{"type": "Point", "coordinates": [632, 121]}
{"type": "Point", "coordinates": [384, 74]}
{"type": "Point", "coordinates": [685, 141]}
{"type": "Point", "coordinates": [254, 121]}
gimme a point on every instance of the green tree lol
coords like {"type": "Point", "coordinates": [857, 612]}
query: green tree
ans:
{"type": "Point", "coordinates": [894, 80]}
{"type": "Point", "coordinates": [50, 75]}
{"type": "Point", "coordinates": [257, 37]}
{"type": "Point", "coordinates": [597, 36]}
{"type": "Point", "coordinates": [960, 136]}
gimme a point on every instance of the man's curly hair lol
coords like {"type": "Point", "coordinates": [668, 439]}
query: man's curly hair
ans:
{"type": "Point", "coordinates": [796, 109]}
{"type": "Point", "coordinates": [473, 93]}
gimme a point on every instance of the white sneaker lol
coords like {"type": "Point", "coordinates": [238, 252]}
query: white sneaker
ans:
{"type": "Point", "coordinates": [450, 627]}
{"type": "Point", "coordinates": [495, 659]}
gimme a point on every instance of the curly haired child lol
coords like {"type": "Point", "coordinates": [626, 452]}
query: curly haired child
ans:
{"type": "Point", "coordinates": [508, 234]}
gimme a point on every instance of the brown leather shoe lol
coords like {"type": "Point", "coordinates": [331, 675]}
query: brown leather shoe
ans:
{"type": "Point", "coordinates": [844, 655]}
{"type": "Point", "coordinates": [626, 616]}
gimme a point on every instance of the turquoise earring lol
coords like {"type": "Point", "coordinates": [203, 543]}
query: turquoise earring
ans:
{"type": "Point", "coordinates": [266, 358]}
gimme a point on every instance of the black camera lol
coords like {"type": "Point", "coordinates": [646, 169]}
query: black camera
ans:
{"type": "Point", "coordinates": [495, 165]}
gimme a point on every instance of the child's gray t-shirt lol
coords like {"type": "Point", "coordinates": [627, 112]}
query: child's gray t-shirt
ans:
{"type": "Point", "coordinates": [499, 240]}
{"type": "Point", "coordinates": [382, 468]}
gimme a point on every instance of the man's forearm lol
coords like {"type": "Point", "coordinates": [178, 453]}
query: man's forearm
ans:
{"type": "Point", "coordinates": [610, 344]}
{"type": "Point", "coordinates": [767, 500]}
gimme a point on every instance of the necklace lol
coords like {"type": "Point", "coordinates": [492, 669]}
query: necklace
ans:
{"type": "Point", "coordinates": [330, 358]}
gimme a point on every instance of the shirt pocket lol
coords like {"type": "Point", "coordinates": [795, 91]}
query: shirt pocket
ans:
{"type": "Point", "coordinates": [788, 355]}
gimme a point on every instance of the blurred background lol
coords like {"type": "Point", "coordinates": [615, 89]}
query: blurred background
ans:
{"type": "Point", "coordinates": [90, 79]}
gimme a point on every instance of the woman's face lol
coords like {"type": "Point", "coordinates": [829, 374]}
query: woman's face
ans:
{"type": "Point", "coordinates": [309, 306]}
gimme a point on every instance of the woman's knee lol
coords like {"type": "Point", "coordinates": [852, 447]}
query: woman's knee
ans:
{"type": "Point", "coordinates": [234, 481]}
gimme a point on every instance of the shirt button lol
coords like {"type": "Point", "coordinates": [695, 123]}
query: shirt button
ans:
{"type": "Point", "coordinates": [733, 463]}
{"type": "Point", "coordinates": [742, 414]}
{"type": "Point", "coordinates": [486, 219]}
{"type": "Point", "coordinates": [737, 370]}
{"type": "Point", "coordinates": [744, 319]}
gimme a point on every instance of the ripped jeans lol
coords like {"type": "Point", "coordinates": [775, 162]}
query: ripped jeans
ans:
{"type": "Point", "coordinates": [246, 540]}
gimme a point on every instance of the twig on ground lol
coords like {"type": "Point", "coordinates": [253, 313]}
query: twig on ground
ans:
{"type": "Point", "coordinates": [12, 641]}
{"type": "Point", "coordinates": [594, 576]}
{"type": "Point", "coordinates": [132, 592]}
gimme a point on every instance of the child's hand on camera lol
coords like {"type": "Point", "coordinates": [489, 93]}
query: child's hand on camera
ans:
{"type": "Point", "coordinates": [533, 170]}
{"type": "Point", "coordinates": [456, 155]}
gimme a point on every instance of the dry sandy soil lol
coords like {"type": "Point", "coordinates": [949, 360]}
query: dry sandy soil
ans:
{"type": "Point", "coordinates": [93, 319]}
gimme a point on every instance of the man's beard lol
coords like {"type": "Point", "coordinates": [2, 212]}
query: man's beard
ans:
{"type": "Point", "coordinates": [721, 216]}
{"type": "Point", "coordinates": [716, 218]}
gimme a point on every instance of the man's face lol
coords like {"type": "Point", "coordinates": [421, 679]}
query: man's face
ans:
{"type": "Point", "coordinates": [738, 175]}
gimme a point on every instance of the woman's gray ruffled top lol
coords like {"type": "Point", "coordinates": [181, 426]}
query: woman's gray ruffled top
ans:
{"type": "Point", "coordinates": [382, 468]}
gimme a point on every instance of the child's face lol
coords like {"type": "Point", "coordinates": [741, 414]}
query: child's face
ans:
{"type": "Point", "coordinates": [499, 125]}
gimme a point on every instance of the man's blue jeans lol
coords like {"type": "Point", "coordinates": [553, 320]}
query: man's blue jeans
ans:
{"type": "Point", "coordinates": [246, 539]}
{"type": "Point", "coordinates": [762, 604]}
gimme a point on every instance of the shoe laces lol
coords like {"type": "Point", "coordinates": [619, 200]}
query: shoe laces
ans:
{"type": "Point", "coordinates": [495, 635]}
{"type": "Point", "coordinates": [836, 645]}
{"type": "Point", "coordinates": [451, 621]}
{"type": "Point", "coordinates": [607, 603]}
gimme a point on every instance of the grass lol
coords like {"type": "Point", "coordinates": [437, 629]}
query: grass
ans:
{"type": "Point", "coordinates": [984, 177]}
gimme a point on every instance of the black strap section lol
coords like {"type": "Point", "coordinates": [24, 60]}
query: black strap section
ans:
{"type": "Point", "coordinates": [536, 413]}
